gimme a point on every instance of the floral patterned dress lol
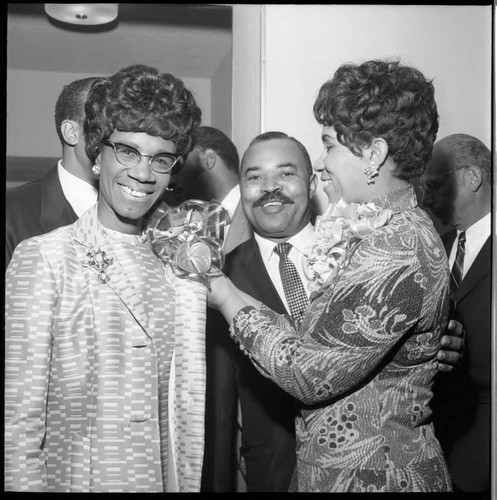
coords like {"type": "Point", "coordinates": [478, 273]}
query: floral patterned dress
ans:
{"type": "Point", "coordinates": [362, 362]}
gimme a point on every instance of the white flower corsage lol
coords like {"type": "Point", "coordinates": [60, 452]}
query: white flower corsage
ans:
{"type": "Point", "coordinates": [338, 232]}
{"type": "Point", "coordinates": [190, 238]}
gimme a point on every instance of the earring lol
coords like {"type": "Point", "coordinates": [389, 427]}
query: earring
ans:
{"type": "Point", "coordinates": [371, 171]}
{"type": "Point", "coordinates": [96, 170]}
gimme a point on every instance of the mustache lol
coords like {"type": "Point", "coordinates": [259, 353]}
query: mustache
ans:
{"type": "Point", "coordinates": [269, 197]}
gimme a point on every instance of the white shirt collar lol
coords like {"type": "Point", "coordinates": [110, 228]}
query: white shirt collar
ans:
{"type": "Point", "coordinates": [231, 200]}
{"type": "Point", "coordinates": [302, 242]}
{"type": "Point", "coordinates": [480, 230]}
{"type": "Point", "coordinates": [476, 236]}
{"type": "Point", "coordinates": [80, 194]}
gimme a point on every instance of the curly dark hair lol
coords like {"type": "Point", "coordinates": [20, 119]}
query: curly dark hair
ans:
{"type": "Point", "coordinates": [382, 99]}
{"type": "Point", "coordinates": [139, 99]}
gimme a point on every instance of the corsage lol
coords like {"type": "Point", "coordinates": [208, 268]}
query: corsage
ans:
{"type": "Point", "coordinates": [190, 238]}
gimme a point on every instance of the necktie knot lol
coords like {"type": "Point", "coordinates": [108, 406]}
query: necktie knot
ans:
{"type": "Point", "coordinates": [462, 238]}
{"type": "Point", "coordinates": [282, 249]}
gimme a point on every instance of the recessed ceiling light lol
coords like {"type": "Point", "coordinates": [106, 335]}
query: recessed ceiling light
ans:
{"type": "Point", "coordinates": [82, 13]}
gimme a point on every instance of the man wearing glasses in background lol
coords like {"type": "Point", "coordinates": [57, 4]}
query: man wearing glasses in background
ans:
{"type": "Point", "coordinates": [457, 188]}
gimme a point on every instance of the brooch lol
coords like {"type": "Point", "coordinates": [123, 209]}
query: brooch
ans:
{"type": "Point", "coordinates": [98, 261]}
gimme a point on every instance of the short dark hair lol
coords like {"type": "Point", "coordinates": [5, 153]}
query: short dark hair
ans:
{"type": "Point", "coordinates": [463, 150]}
{"type": "Point", "coordinates": [382, 99]}
{"type": "Point", "coordinates": [139, 99]}
{"type": "Point", "coordinates": [70, 104]}
{"type": "Point", "coordinates": [268, 136]}
{"type": "Point", "coordinates": [213, 138]}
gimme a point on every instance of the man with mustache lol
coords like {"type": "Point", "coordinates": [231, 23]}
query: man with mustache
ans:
{"type": "Point", "coordinates": [276, 184]}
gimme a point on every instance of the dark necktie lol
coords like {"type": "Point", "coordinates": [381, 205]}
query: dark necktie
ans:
{"type": "Point", "coordinates": [292, 284]}
{"type": "Point", "coordinates": [457, 267]}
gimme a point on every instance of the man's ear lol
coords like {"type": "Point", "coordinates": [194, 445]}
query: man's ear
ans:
{"type": "Point", "coordinates": [209, 158]}
{"type": "Point", "coordinates": [473, 177]}
{"type": "Point", "coordinates": [70, 132]}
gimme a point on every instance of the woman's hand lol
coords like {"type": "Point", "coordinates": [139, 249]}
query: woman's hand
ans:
{"type": "Point", "coordinates": [227, 298]}
{"type": "Point", "coordinates": [220, 290]}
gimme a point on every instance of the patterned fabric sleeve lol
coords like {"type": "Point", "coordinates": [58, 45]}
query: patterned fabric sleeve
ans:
{"type": "Point", "coordinates": [352, 330]}
{"type": "Point", "coordinates": [30, 296]}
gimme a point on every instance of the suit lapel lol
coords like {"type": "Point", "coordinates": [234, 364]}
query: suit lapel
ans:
{"type": "Point", "coordinates": [88, 232]}
{"type": "Point", "coordinates": [55, 209]}
{"type": "Point", "coordinates": [257, 277]}
{"type": "Point", "coordinates": [478, 270]}
{"type": "Point", "coordinates": [239, 230]}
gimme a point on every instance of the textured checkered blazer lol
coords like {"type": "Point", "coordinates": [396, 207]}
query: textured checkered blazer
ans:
{"type": "Point", "coordinates": [90, 404]}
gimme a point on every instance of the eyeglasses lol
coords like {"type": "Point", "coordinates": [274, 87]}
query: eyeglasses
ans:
{"type": "Point", "coordinates": [433, 185]}
{"type": "Point", "coordinates": [128, 156]}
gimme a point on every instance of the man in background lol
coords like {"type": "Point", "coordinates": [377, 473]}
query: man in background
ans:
{"type": "Point", "coordinates": [457, 187]}
{"type": "Point", "coordinates": [66, 191]}
{"type": "Point", "coordinates": [210, 172]}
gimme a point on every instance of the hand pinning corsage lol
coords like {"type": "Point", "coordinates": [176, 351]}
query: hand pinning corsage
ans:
{"type": "Point", "coordinates": [190, 238]}
{"type": "Point", "coordinates": [338, 232]}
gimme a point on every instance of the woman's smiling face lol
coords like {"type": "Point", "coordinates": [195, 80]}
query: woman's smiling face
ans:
{"type": "Point", "coordinates": [126, 194]}
{"type": "Point", "coordinates": [342, 172]}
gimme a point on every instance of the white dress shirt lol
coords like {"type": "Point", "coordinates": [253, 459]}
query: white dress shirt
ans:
{"type": "Point", "coordinates": [301, 246]}
{"type": "Point", "coordinates": [80, 194]}
{"type": "Point", "coordinates": [476, 236]}
{"type": "Point", "coordinates": [230, 203]}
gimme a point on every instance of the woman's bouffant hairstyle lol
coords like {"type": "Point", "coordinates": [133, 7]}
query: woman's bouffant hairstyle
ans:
{"type": "Point", "coordinates": [139, 99]}
{"type": "Point", "coordinates": [382, 99]}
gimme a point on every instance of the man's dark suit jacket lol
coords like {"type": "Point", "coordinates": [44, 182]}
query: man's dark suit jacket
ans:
{"type": "Point", "coordinates": [462, 398]}
{"type": "Point", "coordinates": [268, 413]}
{"type": "Point", "coordinates": [35, 208]}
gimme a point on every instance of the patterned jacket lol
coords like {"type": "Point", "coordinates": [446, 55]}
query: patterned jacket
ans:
{"type": "Point", "coordinates": [89, 401]}
{"type": "Point", "coordinates": [362, 362]}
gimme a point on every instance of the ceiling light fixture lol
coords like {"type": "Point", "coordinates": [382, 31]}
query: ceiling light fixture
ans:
{"type": "Point", "coordinates": [82, 13]}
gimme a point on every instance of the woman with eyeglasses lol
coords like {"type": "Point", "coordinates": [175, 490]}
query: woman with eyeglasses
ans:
{"type": "Point", "coordinates": [90, 316]}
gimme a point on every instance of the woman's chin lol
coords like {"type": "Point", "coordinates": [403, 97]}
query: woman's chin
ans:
{"type": "Point", "coordinates": [332, 192]}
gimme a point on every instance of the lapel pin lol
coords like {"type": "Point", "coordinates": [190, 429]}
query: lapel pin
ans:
{"type": "Point", "coordinates": [97, 260]}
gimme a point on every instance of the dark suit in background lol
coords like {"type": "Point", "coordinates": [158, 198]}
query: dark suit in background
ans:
{"type": "Point", "coordinates": [268, 413]}
{"type": "Point", "coordinates": [462, 403]}
{"type": "Point", "coordinates": [35, 208]}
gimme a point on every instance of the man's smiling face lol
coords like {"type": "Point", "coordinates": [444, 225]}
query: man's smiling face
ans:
{"type": "Point", "coordinates": [276, 187]}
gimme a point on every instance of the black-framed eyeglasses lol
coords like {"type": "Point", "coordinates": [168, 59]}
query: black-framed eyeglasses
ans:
{"type": "Point", "coordinates": [435, 183]}
{"type": "Point", "coordinates": [162, 163]}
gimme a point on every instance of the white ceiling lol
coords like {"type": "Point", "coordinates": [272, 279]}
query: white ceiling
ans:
{"type": "Point", "coordinates": [188, 40]}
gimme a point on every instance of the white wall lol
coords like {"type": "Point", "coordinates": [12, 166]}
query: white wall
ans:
{"type": "Point", "coordinates": [31, 97]}
{"type": "Point", "coordinates": [248, 32]}
{"type": "Point", "coordinates": [221, 96]}
{"type": "Point", "coordinates": [304, 45]}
